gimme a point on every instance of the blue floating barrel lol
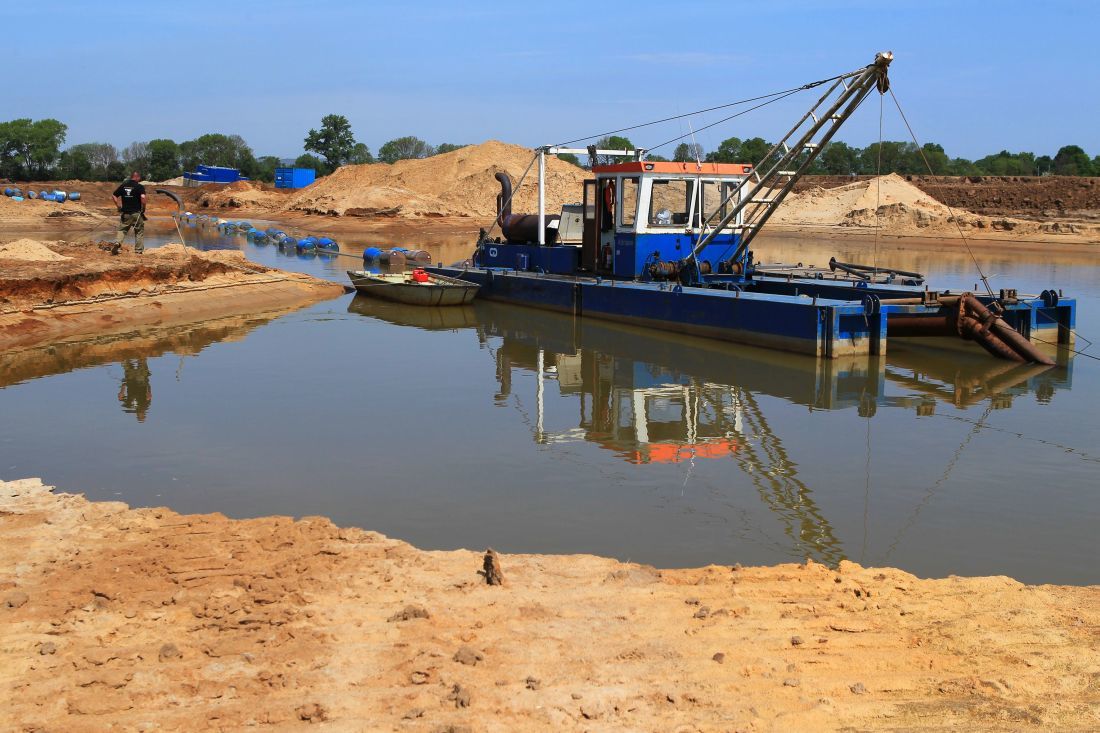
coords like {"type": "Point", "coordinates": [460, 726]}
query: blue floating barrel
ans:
{"type": "Point", "coordinates": [326, 243]}
{"type": "Point", "coordinates": [45, 195]}
{"type": "Point", "coordinates": [289, 242]}
{"type": "Point", "coordinates": [32, 195]}
{"type": "Point", "coordinates": [9, 191]}
{"type": "Point", "coordinates": [74, 195]}
{"type": "Point", "coordinates": [371, 253]}
{"type": "Point", "coordinates": [307, 244]}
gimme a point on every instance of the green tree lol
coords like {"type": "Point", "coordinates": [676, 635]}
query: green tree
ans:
{"type": "Point", "coordinates": [688, 153]}
{"type": "Point", "coordinates": [311, 161]}
{"type": "Point", "coordinates": [115, 171]}
{"type": "Point", "coordinates": [613, 142]}
{"type": "Point", "coordinates": [729, 151]}
{"type": "Point", "coordinates": [963, 167]}
{"type": "Point", "coordinates": [136, 157]}
{"type": "Point", "coordinates": [570, 158]}
{"type": "Point", "coordinates": [894, 158]}
{"type": "Point", "coordinates": [74, 164]}
{"type": "Point", "coordinates": [450, 148]}
{"type": "Point", "coordinates": [404, 148]}
{"type": "Point", "coordinates": [1005, 163]}
{"type": "Point", "coordinates": [265, 168]}
{"type": "Point", "coordinates": [654, 158]}
{"type": "Point", "coordinates": [163, 158]}
{"type": "Point", "coordinates": [1071, 160]}
{"type": "Point", "coordinates": [334, 141]}
{"type": "Point", "coordinates": [839, 159]}
{"type": "Point", "coordinates": [29, 148]}
{"type": "Point", "coordinates": [230, 151]}
{"type": "Point", "coordinates": [1044, 164]}
{"type": "Point", "coordinates": [753, 151]}
{"type": "Point", "coordinates": [360, 154]}
{"type": "Point", "coordinates": [100, 155]}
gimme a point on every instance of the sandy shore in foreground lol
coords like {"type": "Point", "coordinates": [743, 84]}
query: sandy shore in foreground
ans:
{"type": "Point", "coordinates": [144, 619]}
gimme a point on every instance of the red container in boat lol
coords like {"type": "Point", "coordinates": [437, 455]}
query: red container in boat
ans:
{"type": "Point", "coordinates": [418, 275]}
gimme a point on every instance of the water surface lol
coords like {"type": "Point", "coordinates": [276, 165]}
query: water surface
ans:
{"type": "Point", "coordinates": [531, 432]}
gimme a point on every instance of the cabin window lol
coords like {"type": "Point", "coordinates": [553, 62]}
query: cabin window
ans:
{"type": "Point", "coordinates": [714, 193]}
{"type": "Point", "coordinates": [670, 202]}
{"type": "Point", "coordinates": [630, 202]}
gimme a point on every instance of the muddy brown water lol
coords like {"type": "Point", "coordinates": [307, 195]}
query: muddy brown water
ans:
{"type": "Point", "coordinates": [531, 432]}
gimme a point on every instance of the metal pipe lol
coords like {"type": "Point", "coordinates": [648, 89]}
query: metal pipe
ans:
{"type": "Point", "coordinates": [833, 264]}
{"type": "Point", "coordinates": [1004, 332]}
{"type": "Point", "coordinates": [542, 196]}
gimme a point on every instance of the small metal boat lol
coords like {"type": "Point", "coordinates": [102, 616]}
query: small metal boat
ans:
{"type": "Point", "coordinates": [414, 288]}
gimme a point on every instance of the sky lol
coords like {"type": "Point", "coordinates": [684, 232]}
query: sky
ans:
{"type": "Point", "coordinates": [976, 77]}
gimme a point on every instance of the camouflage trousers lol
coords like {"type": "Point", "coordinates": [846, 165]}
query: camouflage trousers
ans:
{"type": "Point", "coordinates": [128, 221]}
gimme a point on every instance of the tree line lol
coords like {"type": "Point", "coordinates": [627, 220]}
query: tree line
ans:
{"type": "Point", "coordinates": [32, 150]}
{"type": "Point", "coordinates": [841, 159]}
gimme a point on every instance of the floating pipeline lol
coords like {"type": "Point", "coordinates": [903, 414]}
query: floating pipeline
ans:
{"type": "Point", "coordinates": [395, 256]}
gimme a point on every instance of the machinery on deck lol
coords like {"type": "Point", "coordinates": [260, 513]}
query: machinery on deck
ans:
{"type": "Point", "coordinates": [666, 245]}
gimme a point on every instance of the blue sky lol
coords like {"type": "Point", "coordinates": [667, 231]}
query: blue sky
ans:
{"type": "Point", "coordinates": [974, 76]}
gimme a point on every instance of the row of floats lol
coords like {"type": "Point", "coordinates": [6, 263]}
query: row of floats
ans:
{"type": "Point", "coordinates": [57, 195]}
{"type": "Point", "coordinates": [393, 257]}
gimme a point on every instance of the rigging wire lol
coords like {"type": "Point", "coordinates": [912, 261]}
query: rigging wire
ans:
{"type": "Point", "coordinates": [730, 117]}
{"type": "Point", "coordinates": [810, 85]}
{"type": "Point", "coordinates": [954, 216]}
{"type": "Point", "coordinates": [878, 184]}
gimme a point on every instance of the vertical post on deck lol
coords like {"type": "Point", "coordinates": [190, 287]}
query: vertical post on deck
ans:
{"type": "Point", "coordinates": [542, 196]}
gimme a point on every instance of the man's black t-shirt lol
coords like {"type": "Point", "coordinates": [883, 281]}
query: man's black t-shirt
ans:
{"type": "Point", "coordinates": [130, 193]}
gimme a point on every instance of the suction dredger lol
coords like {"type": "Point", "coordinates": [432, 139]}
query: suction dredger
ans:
{"type": "Point", "coordinates": [666, 245]}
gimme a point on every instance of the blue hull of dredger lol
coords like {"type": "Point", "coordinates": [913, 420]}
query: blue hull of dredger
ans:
{"type": "Point", "coordinates": [820, 318]}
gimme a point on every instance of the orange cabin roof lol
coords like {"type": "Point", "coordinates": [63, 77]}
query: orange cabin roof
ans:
{"type": "Point", "coordinates": [705, 169]}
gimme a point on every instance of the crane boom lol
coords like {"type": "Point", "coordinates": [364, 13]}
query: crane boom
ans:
{"type": "Point", "coordinates": [786, 159]}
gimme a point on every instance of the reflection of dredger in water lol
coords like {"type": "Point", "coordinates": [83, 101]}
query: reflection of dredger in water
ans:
{"type": "Point", "coordinates": [135, 392]}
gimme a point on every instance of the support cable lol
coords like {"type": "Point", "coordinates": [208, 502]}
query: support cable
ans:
{"type": "Point", "coordinates": [810, 85]}
{"type": "Point", "coordinates": [954, 216]}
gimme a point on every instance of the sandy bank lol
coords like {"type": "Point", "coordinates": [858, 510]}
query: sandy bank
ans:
{"type": "Point", "coordinates": [145, 619]}
{"type": "Point", "coordinates": [52, 291]}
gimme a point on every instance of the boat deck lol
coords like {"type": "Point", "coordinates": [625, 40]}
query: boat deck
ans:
{"type": "Point", "coordinates": [828, 318]}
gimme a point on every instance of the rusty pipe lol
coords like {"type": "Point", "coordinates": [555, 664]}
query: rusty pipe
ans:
{"type": "Point", "coordinates": [1004, 332]}
{"type": "Point", "coordinates": [504, 198]}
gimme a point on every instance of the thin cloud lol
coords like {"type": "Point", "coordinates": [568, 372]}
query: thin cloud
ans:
{"type": "Point", "coordinates": [686, 58]}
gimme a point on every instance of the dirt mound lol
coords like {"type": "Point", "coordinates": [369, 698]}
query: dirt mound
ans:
{"type": "Point", "coordinates": [37, 211]}
{"type": "Point", "coordinates": [29, 249]}
{"type": "Point", "coordinates": [242, 195]}
{"type": "Point", "coordinates": [459, 183]}
{"type": "Point", "coordinates": [889, 202]}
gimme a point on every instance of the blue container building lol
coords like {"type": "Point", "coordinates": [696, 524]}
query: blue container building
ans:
{"type": "Point", "coordinates": [294, 177]}
{"type": "Point", "coordinates": [212, 174]}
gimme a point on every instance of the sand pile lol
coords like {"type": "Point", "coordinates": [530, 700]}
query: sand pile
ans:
{"type": "Point", "coordinates": [459, 183]}
{"type": "Point", "coordinates": [31, 250]}
{"type": "Point", "coordinates": [889, 202]}
{"type": "Point", "coordinates": [242, 195]}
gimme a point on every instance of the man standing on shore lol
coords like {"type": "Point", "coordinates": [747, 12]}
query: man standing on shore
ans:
{"type": "Point", "coordinates": [130, 200]}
